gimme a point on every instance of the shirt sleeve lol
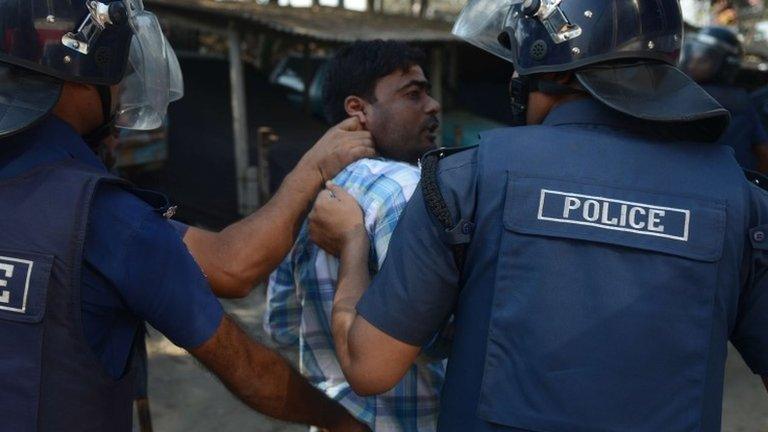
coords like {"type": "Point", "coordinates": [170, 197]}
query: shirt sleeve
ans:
{"type": "Point", "coordinates": [415, 291]}
{"type": "Point", "coordinates": [750, 335]}
{"type": "Point", "coordinates": [387, 217]}
{"type": "Point", "coordinates": [282, 318]}
{"type": "Point", "coordinates": [147, 264]}
{"type": "Point", "coordinates": [180, 227]}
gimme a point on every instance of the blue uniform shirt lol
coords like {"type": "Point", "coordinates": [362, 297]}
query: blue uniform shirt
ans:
{"type": "Point", "coordinates": [538, 341]}
{"type": "Point", "coordinates": [135, 265]}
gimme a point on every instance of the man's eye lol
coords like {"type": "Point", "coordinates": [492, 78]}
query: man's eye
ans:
{"type": "Point", "coordinates": [415, 94]}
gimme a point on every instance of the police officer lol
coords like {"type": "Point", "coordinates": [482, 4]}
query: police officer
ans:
{"type": "Point", "coordinates": [597, 261]}
{"type": "Point", "coordinates": [712, 57]}
{"type": "Point", "coordinates": [85, 258]}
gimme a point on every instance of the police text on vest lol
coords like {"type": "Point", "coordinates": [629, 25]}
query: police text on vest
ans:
{"type": "Point", "coordinates": [15, 274]}
{"type": "Point", "coordinates": [614, 214]}
{"type": "Point", "coordinates": [6, 270]}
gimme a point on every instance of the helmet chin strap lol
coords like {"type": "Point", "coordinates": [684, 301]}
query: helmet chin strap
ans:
{"type": "Point", "coordinates": [97, 137]}
{"type": "Point", "coordinates": [521, 87]}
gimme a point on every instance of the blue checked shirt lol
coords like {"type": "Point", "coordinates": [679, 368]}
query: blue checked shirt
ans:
{"type": "Point", "coordinates": [300, 298]}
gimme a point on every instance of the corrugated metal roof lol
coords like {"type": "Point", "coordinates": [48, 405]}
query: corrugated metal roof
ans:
{"type": "Point", "coordinates": [321, 23]}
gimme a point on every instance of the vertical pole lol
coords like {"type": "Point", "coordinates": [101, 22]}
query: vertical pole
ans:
{"type": "Point", "coordinates": [307, 78]}
{"type": "Point", "coordinates": [423, 9]}
{"type": "Point", "coordinates": [265, 140]}
{"type": "Point", "coordinates": [239, 121]}
{"type": "Point", "coordinates": [436, 76]}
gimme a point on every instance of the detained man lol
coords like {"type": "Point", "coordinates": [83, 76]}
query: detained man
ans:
{"type": "Point", "coordinates": [382, 84]}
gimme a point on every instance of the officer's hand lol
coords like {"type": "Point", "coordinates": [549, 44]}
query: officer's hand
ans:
{"type": "Point", "coordinates": [339, 147]}
{"type": "Point", "coordinates": [335, 220]}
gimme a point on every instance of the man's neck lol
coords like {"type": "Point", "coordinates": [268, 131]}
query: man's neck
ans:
{"type": "Point", "coordinates": [80, 107]}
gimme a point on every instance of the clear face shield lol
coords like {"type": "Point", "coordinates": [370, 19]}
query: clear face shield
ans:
{"type": "Point", "coordinates": [153, 77]}
{"type": "Point", "coordinates": [482, 21]}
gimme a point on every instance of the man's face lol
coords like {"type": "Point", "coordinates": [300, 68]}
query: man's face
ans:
{"type": "Point", "coordinates": [403, 120]}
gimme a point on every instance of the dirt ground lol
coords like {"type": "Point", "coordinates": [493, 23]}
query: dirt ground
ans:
{"type": "Point", "coordinates": [184, 397]}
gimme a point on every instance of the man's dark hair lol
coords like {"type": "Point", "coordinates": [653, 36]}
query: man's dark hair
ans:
{"type": "Point", "coordinates": [356, 68]}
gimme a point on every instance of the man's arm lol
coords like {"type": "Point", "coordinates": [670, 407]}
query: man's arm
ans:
{"type": "Point", "coordinates": [267, 383]}
{"type": "Point", "coordinates": [372, 361]}
{"type": "Point", "coordinates": [245, 253]}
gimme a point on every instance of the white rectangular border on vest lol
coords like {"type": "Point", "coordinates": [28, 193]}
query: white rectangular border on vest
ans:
{"type": "Point", "coordinates": [541, 216]}
{"type": "Point", "coordinates": [23, 308]}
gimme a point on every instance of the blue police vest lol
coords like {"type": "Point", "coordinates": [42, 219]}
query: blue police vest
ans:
{"type": "Point", "coordinates": [50, 380]}
{"type": "Point", "coordinates": [601, 282]}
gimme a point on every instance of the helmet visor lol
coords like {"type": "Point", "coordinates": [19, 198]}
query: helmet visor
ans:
{"type": "Point", "coordinates": [482, 21]}
{"type": "Point", "coordinates": [153, 78]}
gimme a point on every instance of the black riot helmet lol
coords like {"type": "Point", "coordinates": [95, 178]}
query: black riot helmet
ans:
{"type": "Point", "coordinates": [712, 55]}
{"type": "Point", "coordinates": [99, 42]}
{"type": "Point", "coordinates": [622, 52]}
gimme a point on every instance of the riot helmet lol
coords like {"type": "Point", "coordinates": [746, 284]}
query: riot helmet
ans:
{"type": "Point", "coordinates": [44, 43]}
{"type": "Point", "coordinates": [622, 52]}
{"type": "Point", "coordinates": [712, 55]}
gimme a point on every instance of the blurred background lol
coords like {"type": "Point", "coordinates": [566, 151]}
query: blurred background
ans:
{"type": "Point", "coordinates": [253, 78]}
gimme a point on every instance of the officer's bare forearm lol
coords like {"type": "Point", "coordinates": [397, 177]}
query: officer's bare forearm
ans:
{"type": "Point", "coordinates": [265, 381]}
{"type": "Point", "coordinates": [372, 361]}
{"type": "Point", "coordinates": [353, 280]}
{"type": "Point", "coordinates": [246, 252]}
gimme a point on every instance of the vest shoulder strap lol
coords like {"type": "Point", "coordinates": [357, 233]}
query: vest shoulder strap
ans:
{"type": "Point", "coordinates": [456, 233]}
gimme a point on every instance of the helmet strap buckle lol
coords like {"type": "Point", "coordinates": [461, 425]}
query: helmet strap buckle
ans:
{"type": "Point", "coordinates": [549, 13]}
{"type": "Point", "coordinates": [100, 16]}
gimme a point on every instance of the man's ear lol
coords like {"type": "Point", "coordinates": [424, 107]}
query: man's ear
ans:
{"type": "Point", "coordinates": [356, 107]}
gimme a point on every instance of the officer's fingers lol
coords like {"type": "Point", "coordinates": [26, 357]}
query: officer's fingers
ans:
{"type": "Point", "coordinates": [338, 193]}
{"type": "Point", "coordinates": [356, 135]}
{"type": "Point", "coordinates": [333, 188]}
{"type": "Point", "coordinates": [350, 124]}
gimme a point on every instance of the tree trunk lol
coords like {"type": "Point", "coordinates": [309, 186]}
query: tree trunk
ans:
{"type": "Point", "coordinates": [423, 9]}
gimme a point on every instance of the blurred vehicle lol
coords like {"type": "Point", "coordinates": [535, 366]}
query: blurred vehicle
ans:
{"type": "Point", "coordinates": [289, 74]}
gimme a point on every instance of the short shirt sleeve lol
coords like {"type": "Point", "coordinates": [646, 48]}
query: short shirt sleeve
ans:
{"type": "Point", "coordinates": [148, 266]}
{"type": "Point", "coordinates": [416, 289]}
{"type": "Point", "coordinates": [180, 227]}
{"type": "Point", "coordinates": [750, 335]}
